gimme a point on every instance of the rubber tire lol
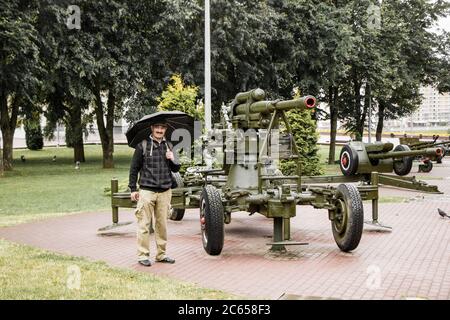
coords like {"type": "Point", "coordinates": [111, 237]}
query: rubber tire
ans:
{"type": "Point", "coordinates": [177, 214]}
{"type": "Point", "coordinates": [353, 158]}
{"type": "Point", "coordinates": [350, 238]}
{"type": "Point", "coordinates": [404, 167]}
{"type": "Point", "coordinates": [179, 179]}
{"type": "Point", "coordinates": [211, 208]}
{"type": "Point", "coordinates": [427, 166]}
{"type": "Point", "coordinates": [439, 159]}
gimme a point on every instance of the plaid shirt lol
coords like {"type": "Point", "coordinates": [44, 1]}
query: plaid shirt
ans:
{"type": "Point", "coordinates": [154, 169]}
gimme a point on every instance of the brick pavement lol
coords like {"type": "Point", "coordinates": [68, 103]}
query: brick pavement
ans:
{"type": "Point", "coordinates": [411, 261]}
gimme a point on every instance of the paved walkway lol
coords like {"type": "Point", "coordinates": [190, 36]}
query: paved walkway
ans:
{"type": "Point", "coordinates": [411, 261]}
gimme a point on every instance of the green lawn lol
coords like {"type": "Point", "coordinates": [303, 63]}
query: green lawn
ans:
{"type": "Point", "coordinates": [29, 273]}
{"type": "Point", "coordinates": [323, 154]}
{"type": "Point", "coordinates": [39, 187]}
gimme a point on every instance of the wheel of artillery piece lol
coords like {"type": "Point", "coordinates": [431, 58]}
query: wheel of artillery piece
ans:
{"type": "Point", "coordinates": [212, 220]}
{"type": "Point", "coordinates": [403, 166]}
{"type": "Point", "coordinates": [348, 161]}
{"type": "Point", "coordinates": [348, 221]}
{"type": "Point", "coordinates": [427, 166]}
{"type": "Point", "coordinates": [177, 214]}
{"type": "Point", "coordinates": [439, 158]}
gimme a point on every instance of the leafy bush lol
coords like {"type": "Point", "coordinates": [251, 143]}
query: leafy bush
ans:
{"type": "Point", "coordinates": [306, 138]}
{"type": "Point", "coordinates": [180, 97]}
{"type": "Point", "coordinates": [33, 135]}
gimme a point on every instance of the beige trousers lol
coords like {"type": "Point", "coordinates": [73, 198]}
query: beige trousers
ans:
{"type": "Point", "coordinates": [152, 206]}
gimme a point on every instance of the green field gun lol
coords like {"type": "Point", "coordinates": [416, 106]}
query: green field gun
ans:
{"type": "Point", "coordinates": [414, 143]}
{"type": "Point", "coordinates": [363, 158]}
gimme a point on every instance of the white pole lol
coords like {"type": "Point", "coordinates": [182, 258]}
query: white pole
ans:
{"type": "Point", "coordinates": [207, 67]}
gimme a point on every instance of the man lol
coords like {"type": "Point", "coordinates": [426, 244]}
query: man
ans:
{"type": "Point", "coordinates": [154, 160]}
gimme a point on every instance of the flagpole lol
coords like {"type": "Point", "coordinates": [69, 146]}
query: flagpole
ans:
{"type": "Point", "coordinates": [207, 67]}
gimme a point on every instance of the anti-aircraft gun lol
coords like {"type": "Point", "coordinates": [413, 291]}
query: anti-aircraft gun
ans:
{"type": "Point", "coordinates": [250, 180]}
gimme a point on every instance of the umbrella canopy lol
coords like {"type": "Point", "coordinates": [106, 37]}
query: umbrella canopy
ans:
{"type": "Point", "coordinates": [173, 119]}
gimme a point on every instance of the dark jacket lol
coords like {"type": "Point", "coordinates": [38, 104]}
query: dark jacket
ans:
{"type": "Point", "coordinates": [153, 168]}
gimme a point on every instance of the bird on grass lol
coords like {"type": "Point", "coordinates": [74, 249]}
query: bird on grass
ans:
{"type": "Point", "coordinates": [22, 157]}
{"type": "Point", "coordinates": [443, 214]}
{"type": "Point", "coordinates": [77, 165]}
{"type": "Point", "coordinates": [54, 159]}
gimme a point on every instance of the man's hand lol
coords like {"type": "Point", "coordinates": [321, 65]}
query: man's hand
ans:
{"type": "Point", "coordinates": [135, 196]}
{"type": "Point", "coordinates": [169, 155]}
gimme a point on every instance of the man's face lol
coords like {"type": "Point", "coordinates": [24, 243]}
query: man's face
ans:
{"type": "Point", "coordinates": [158, 131]}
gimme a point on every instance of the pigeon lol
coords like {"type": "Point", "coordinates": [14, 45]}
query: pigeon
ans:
{"type": "Point", "coordinates": [54, 159]}
{"type": "Point", "coordinates": [77, 165]}
{"type": "Point", "coordinates": [443, 214]}
{"type": "Point", "coordinates": [22, 157]}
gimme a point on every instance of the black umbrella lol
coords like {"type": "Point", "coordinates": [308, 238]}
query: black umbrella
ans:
{"type": "Point", "coordinates": [174, 119]}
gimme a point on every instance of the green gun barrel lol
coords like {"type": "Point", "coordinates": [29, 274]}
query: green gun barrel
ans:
{"type": "Point", "coordinates": [400, 154]}
{"type": "Point", "coordinates": [307, 102]}
{"type": "Point", "coordinates": [415, 146]}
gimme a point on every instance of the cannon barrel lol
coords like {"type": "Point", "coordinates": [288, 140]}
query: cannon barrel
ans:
{"type": "Point", "coordinates": [307, 102]}
{"type": "Point", "coordinates": [400, 154]}
{"type": "Point", "coordinates": [379, 147]}
{"type": "Point", "coordinates": [428, 144]}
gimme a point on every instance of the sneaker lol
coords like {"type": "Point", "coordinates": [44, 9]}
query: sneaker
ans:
{"type": "Point", "coordinates": [145, 263]}
{"type": "Point", "coordinates": [166, 260]}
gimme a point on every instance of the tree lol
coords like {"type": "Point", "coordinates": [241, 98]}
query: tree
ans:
{"type": "Point", "coordinates": [19, 67]}
{"type": "Point", "coordinates": [444, 63]}
{"type": "Point", "coordinates": [181, 97]}
{"type": "Point", "coordinates": [391, 60]}
{"type": "Point", "coordinates": [171, 34]}
{"type": "Point", "coordinates": [413, 48]}
{"type": "Point", "coordinates": [66, 96]}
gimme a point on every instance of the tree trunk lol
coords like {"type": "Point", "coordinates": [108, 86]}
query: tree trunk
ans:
{"type": "Point", "coordinates": [1, 162]}
{"type": "Point", "coordinates": [367, 105]}
{"type": "Point", "coordinates": [8, 126]}
{"type": "Point", "coordinates": [106, 132]}
{"type": "Point", "coordinates": [380, 124]}
{"type": "Point", "coordinates": [333, 92]}
{"type": "Point", "coordinates": [77, 133]}
{"type": "Point", "coordinates": [7, 137]}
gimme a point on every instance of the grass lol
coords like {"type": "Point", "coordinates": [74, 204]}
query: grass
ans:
{"type": "Point", "coordinates": [329, 169]}
{"type": "Point", "coordinates": [40, 188]}
{"type": "Point", "coordinates": [29, 273]}
{"type": "Point", "coordinates": [392, 199]}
